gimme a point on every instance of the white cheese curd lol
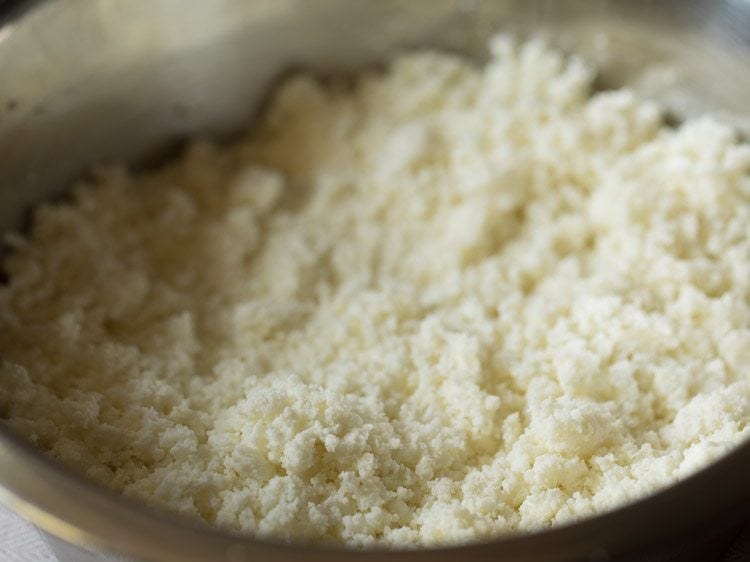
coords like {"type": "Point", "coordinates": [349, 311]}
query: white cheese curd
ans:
{"type": "Point", "coordinates": [441, 305]}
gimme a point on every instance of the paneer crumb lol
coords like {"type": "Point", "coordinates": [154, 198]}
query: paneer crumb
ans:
{"type": "Point", "coordinates": [443, 304]}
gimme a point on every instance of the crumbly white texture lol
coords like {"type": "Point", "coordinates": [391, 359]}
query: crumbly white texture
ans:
{"type": "Point", "coordinates": [442, 305]}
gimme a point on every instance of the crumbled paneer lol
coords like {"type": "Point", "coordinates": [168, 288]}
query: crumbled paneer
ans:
{"type": "Point", "coordinates": [443, 304]}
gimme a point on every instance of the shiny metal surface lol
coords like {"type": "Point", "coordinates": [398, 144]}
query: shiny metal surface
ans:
{"type": "Point", "coordinates": [83, 83]}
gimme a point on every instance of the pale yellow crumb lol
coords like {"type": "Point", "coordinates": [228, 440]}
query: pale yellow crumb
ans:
{"type": "Point", "coordinates": [446, 304]}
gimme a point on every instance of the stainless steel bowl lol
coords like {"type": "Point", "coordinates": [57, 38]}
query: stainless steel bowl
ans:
{"type": "Point", "coordinates": [87, 82]}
